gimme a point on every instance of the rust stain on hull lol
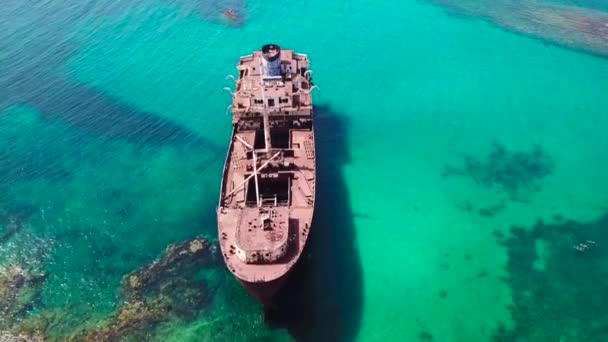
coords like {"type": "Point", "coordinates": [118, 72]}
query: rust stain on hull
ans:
{"type": "Point", "coordinates": [268, 186]}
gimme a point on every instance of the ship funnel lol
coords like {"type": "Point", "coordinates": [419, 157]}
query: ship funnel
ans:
{"type": "Point", "coordinates": [271, 63]}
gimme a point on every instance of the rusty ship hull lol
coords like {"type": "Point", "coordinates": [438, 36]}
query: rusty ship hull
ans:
{"type": "Point", "coordinates": [267, 194]}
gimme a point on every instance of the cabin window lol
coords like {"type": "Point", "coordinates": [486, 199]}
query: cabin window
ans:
{"type": "Point", "coordinates": [270, 102]}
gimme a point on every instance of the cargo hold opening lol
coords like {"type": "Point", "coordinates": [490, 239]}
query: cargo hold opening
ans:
{"type": "Point", "coordinates": [279, 138]}
{"type": "Point", "coordinates": [271, 189]}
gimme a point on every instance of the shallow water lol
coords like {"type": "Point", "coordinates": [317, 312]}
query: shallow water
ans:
{"type": "Point", "coordinates": [113, 134]}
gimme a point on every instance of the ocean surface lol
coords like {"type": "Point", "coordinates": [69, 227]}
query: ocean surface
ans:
{"type": "Point", "coordinates": [462, 195]}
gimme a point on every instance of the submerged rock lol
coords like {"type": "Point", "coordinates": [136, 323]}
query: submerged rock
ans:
{"type": "Point", "coordinates": [166, 289]}
{"type": "Point", "coordinates": [179, 262]}
{"type": "Point", "coordinates": [6, 336]}
{"type": "Point", "coordinates": [19, 288]}
{"type": "Point", "coordinates": [133, 319]}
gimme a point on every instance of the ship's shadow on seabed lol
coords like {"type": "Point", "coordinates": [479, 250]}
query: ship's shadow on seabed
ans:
{"type": "Point", "coordinates": [323, 297]}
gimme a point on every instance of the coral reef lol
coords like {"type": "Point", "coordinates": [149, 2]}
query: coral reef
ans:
{"type": "Point", "coordinates": [166, 289]}
{"type": "Point", "coordinates": [514, 172]}
{"type": "Point", "coordinates": [575, 27]}
{"type": "Point", "coordinates": [564, 300]}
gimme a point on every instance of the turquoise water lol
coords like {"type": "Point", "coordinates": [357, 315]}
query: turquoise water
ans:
{"type": "Point", "coordinates": [113, 134]}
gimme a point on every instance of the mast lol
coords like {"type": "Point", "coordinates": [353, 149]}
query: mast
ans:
{"type": "Point", "coordinates": [255, 175]}
{"type": "Point", "coordinates": [267, 142]}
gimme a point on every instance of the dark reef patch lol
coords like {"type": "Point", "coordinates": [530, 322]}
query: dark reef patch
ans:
{"type": "Point", "coordinates": [492, 210]}
{"type": "Point", "coordinates": [482, 274]}
{"type": "Point", "coordinates": [425, 336]}
{"type": "Point", "coordinates": [465, 206]}
{"type": "Point", "coordinates": [565, 300]}
{"type": "Point", "coordinates": [323, 298]}
{"type": "Point", "coordinates": [517, 173]}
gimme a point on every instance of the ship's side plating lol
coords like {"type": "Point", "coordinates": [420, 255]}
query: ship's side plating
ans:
{"type": "Point", "coordinates": [267, 195]}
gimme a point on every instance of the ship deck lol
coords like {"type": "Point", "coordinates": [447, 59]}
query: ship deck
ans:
{"type": "Point", "coordinates": [238, 219]}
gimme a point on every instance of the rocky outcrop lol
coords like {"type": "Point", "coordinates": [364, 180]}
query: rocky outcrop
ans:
{"type": "Point", "coordinates": [6, 336]}
{"type": "Point", "coordinates": [132, 319]}
{"type": "Point", "coordinates": [179, 262]}
{"type": "Point", "coordinates": [19, 288]}
{"type": "Point", "coordinates": [166, 289]}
